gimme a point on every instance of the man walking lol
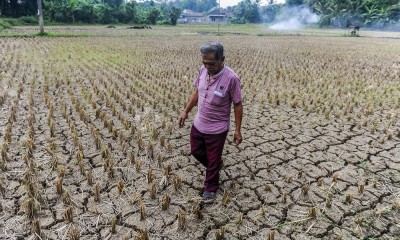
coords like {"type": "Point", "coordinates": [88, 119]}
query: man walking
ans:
{"type": "Point", "coordinates": [216, 88]}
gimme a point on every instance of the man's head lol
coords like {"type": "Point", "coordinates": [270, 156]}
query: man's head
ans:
{"type": "Point", "coordinates": [212, 54]}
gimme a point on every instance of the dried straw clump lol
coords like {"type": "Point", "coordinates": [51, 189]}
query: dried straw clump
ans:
{"type": "Point", "coordinates": [97, 192]}
{"type": "Point", "coordinates": [36, 230]}
{"type": "Point", "coordinates": [142, 211]}
{"type": "Point", "coordinates": [30, 208]}
{"type": "Point", "coordinates": [177, 182]}
{"type": "Point", "coordinates": [182, 224]}
{"type": "Point", "coordinates": [120, 187]}
{"type": "Point", "coordinates": [59, 184]}
{"type": "Point", "coordinates": [89, 177]}
{"type": "Point", "coordinates": [68, 215]}
{"type": "Point", "coordinates": [220, 234]}
{"type": "Point", "coordinates": [197, 211]}
{"type": "Point", "coordinates": [74, 233]}
{"type": "Point", "coordinates": [142, 234]}
{"type": "Point", "coordinates": [66, 198]}
{"type": "Point", "coordinates": [271, 235]}
{"type": "Point", "coordinates": [225, 198]}
{"type": "Point", "coordinates": [165, 201]}
{"type": "Point", "coordinates": [361, 186]}
{"type": "Point", "coordinates": [113, 228]}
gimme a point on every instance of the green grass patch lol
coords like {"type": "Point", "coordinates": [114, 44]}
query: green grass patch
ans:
{"type": "Point", "coordinates": [4, 24]}
{"type": "Point", "coordinates": [47, 34]}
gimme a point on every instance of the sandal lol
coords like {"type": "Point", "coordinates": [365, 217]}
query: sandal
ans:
{"type": "Point", "coordinates": [209, 197]}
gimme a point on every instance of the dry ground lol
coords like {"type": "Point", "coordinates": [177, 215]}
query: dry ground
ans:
{"type": "Point", "coordinates": [89, 139]}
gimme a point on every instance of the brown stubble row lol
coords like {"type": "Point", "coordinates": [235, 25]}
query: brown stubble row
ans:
{"type": "Point", "coordinates": [99, 144]}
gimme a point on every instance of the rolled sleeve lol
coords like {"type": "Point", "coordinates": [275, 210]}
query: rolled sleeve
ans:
{"type": "Point", "coordinates": [235, 91]}
{"type": "Point", "coordinates": [196, 82]}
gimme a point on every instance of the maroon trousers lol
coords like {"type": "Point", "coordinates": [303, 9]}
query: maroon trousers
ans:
{"type": "Point", "coordinates": [207, 149]}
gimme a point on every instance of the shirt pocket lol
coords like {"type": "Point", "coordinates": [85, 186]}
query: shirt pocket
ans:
{"type": "Point", "coordinates": [217, 98]}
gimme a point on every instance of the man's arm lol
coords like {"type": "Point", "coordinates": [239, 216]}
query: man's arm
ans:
{"type": "Point", "coordinates": [238, 109]}
{"type": "Point", "coordinates": [192, 102]}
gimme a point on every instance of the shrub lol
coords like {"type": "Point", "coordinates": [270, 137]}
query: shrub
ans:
{"type": "Point", "coordinates": [29, 19]}
{"type": "Point", "coordinates": [238, 21]}
{"type": "Point", "coordinates": [3, 25]}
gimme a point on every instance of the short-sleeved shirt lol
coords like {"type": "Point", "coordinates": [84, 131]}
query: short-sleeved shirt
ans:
{"type": "Point", "coordinates": [215, 100]}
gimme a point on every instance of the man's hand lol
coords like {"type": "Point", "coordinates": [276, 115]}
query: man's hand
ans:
{"type": "Point", "coordinates": [182, 118]}
{"type": "Point", "coordinates": [237, 137]}
{"type": "Point", "coordinates": [192, 102]}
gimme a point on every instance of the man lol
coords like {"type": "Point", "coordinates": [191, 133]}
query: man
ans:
{"type": "Point", "coordinates": [217, 87]}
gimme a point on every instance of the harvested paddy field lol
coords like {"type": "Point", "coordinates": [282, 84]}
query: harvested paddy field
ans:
{"type": "Point", "coordinates": [91, 149]}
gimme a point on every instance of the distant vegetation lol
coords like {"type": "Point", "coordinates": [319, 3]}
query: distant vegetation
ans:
{"type": "Point", "coordinates": [338, 13]}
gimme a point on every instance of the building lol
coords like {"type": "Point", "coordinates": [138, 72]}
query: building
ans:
{"type": "Point", "coordinates": [188, 16]}
{"type": "Point", "coordinates": [219, 16]}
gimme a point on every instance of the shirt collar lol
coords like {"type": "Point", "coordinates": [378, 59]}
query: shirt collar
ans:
{"type": "Point", "coordinates": [219, 74]}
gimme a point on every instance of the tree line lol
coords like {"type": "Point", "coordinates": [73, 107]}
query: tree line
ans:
{"type": "Point", "coordinates": [340, 13]}
{"type": "Point", "coordinates": [93, 11]}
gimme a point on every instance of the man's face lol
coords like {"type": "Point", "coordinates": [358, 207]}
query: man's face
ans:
{"type": "Point", "coordinates": [213, 65]}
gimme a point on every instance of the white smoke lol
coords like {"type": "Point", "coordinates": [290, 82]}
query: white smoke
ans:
{"type": "Point", "coordinates": [294, 17]}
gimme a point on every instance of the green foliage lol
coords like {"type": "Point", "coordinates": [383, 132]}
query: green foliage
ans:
{"type": "Point", "coordinates": [370, 13]}
{"type": "Point", "coordinates": [4, 24]}
{"type": "Point", "coordinates": [174, 15]}
{"type": "Point", "coordinates": [294, 2]}
{"type": "Point", "coordinates": [106, 13]}
{"type": "Point", "coordinates": [270, 12]}
{"type": "Point", "coordinates": [45, 34]}
{"type": "Point", "coordinates": [153, 15]}
{"type": "Point", "coordinates": [29, 19]}
{"type": "Point", "coordinates": [196, 5]}
{"type": "Point", "coordinates": [238, 20]}
{"type": "Point", "coordinates": [340, 13]}
{"type": "Point", "coordinates": [248, 10]}
{"type": "Point", "coordinates": [131, 11]}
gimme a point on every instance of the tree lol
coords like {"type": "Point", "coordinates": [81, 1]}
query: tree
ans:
{"type": "Point", "coordinates": [195, 5]}
{"type": "Point", "coordinates": [153, 15]}
{"type": "Point", "coordinates": [394, 12]}
{"type": "Point", "coordinates": [131, 11]}
{"type": "Point", "coordinates": [248, 10]}
{"type": "Point", "coordinates": [105, 13]}
{"type": "Point", "coordinates": [174, 14]}
{"type": "Point", "coordinates": [70, 7]}
{"type": "Point", "coordinates": [40, 12]}
{"type": "Point", "coordinates": [84, 11]}
{"type": "Point", "coordinates": [270, 12]}
{"type": "Point", "coordinates": [294, 2]}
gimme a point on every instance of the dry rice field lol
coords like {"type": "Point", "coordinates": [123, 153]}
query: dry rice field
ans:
{"type": "Point", "coordinates": [91, 149]}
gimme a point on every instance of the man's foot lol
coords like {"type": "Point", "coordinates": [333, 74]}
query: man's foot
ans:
{"type": "Point", "coordinates": [209, 197]}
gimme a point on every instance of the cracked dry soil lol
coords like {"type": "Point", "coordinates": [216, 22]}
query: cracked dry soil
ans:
{"type": "Point", "coordinates": [90, 146]}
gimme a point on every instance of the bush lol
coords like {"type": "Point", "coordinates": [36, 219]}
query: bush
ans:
{"type": "Point", "coordinates": [164, 22]}
{"type": "Point", "coordinates": [324, 21]}
{"type": "Point", "coordinates": [238, 21]}
{"type": "Point", "coordinates": [4, 24]}
{"type": "Point", "coordinates": [29, 19]}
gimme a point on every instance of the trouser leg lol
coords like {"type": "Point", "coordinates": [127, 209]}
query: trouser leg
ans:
{"type": "Point", "coordinates": [197, 146]}
{"type": "Point", "coordinates": [214, 144]}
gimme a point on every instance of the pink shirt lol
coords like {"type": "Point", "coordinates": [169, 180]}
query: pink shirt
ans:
{"type": "Point", "coordinates": [215, 100]}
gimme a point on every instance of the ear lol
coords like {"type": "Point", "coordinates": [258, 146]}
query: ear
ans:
{"type": "Point", "coordinates": [223, 59]}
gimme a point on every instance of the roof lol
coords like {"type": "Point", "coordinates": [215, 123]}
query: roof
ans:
{"type": "Point", "coordinates": [220, 12]}
{"type": "Point", "coordinates": [216, 15]}
{"type": "Point", "coordinates": [190, 13]}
